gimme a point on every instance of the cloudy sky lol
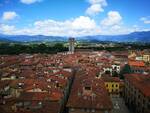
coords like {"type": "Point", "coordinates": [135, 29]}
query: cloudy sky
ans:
{"type": "Point", "coordinates": [73, 17]}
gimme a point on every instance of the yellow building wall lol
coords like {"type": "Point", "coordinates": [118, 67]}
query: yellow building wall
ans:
{"type": "Point", "coordinates": [146, 58]}
{"type": "Point", "coordinates": [112, 87]}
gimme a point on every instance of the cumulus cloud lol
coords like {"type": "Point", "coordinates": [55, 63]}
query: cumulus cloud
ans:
{"type": "Point", "coordinates": [96, 7]}
{"type": "Point", "coordinates": [75, 27]}
{"type": "Point", "coordinates": [6, 29]}
{"type": "Point", "coordinates": [10, 15]}
{"type": "Point", "coordinates": [103, 2]}
{"type": "Point", "coordinates": [146, 20]}
{"type": "Point", "coordinates": [83, 23]}
{"type": "Point", "coordinates": [79, 23]}
{"type": "Point", "coordinates": [29, 1]}
{"type": "Point", "coordinates": [113, 18]}
{"type": "Point", "coordinates": [80, 26]}
{"type": "Point", "coordinates": [118, 30]}
{"type": "Point", "coordinates": [112, 23]}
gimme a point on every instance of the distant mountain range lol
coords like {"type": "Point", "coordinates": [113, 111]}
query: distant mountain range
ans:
{"type": "Point", "coordinates": [132, 37]}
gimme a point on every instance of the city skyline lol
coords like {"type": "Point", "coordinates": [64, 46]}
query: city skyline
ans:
{"type": "Point", "coordinates": [73, 17]}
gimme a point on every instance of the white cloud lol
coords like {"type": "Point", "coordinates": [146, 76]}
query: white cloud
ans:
{"type": "Point", "coordinates": [102, 2]}
{"type": "Point", "coordinates": [146, 20]}
{"type": "Point", "coordinates": [96, 7]}
{"type": "Point", "coordinates": [10, 15]}
{"type": "Point", "coordinates": [29, 1]}
{"type": "Point", "coordinates": [6, 29]}
{"type": "Point", "coordinates": [112, 24]}
{"type": "Point", "coordinates": [117, 30]}
{"type": "Point", "coordinates": [80, 26]}
{"type": "Point", "coordinates": [75, 27]}
{"type": "Point", "coordinates": [113, 18]}
{"type": "Point", "coordinates": [83, 23]}
{"type": "Point", "coordinates": [143, 18]}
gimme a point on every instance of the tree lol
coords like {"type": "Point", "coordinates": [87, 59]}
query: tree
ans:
{"type": "Point", "coordinates": [126, 70]}
{"type": "Point", "coordinates": [59, 47]}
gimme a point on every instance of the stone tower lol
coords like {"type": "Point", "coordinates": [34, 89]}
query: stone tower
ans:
{"type": "Point", "coordinates": [71, 45]}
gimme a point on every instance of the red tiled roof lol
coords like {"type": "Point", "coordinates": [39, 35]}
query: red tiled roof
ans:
{"type": "Point", "coordinates": [110, 79]}
{"type": "Point", "coordinates": [136, 63]}
{"type": "Point", "coordinates": [40, 96]}
{"type": "Point", "coordinates": [141, 82]}
{"type": "Point", "coordinates": [98, 99]}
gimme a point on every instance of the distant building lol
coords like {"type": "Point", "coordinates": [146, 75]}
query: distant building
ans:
{"type": "Point", "coordinates": [138, 67]}
{"type": "Point", "coordinates": [137, 93]}
{"type": "Point", "coordinates": [114, 85]}
{"type": "Point", "coordinates": [71, 45]}
{"type": "Point", "coordinates": [146, 58]}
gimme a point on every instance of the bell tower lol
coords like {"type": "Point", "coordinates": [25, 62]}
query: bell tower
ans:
{"type": "Point", "coordinates": [71, 45]}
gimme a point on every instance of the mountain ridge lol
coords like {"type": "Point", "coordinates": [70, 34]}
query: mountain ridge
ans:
{"type": "Point", "coordinates": [143, 36]}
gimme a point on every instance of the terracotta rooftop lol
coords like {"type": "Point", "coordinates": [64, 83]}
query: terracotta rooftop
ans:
{"type": "Point", "coordinates": [141, 82]}
{"type": "Point", "coordinates": [110, 79]}
{"type": "Point", "coordinates": [136, 63]}
{"type": "Point", "coordinates": [97, 98]}
{"type": "Point", "coordinates": [40, 96]}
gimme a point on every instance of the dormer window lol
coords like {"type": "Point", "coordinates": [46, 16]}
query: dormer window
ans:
{"type": "Point", "coordinates": [87, 88]}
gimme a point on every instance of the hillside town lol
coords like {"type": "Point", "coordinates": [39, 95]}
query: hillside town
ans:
{"type": "Point", "coordinates": [76, 82]}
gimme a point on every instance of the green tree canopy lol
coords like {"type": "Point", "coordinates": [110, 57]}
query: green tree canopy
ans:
{"type": "Point", "coordinates": [126, 70]}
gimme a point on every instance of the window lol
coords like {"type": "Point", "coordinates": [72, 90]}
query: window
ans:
{"type": "Point", "coordinates": [112, 85]}
{"type": "Point", "coordinates": [87, 88]}
{"type": "Point", "coordinates": [57, 84]}
{"type": "Point", "coordinates": [106, 85]}
{"type": "Point", "coordinates": [116, 85]}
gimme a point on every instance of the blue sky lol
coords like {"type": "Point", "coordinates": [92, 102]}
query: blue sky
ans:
{"type": "Point", "coordinates": [73, 17]}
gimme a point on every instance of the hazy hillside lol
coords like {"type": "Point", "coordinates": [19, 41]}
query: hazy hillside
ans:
{"type": "Point", "coordinates": [133, 37]}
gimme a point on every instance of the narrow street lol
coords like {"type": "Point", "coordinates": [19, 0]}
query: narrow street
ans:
{"type": "Point", "coordinates": [119, 105]}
